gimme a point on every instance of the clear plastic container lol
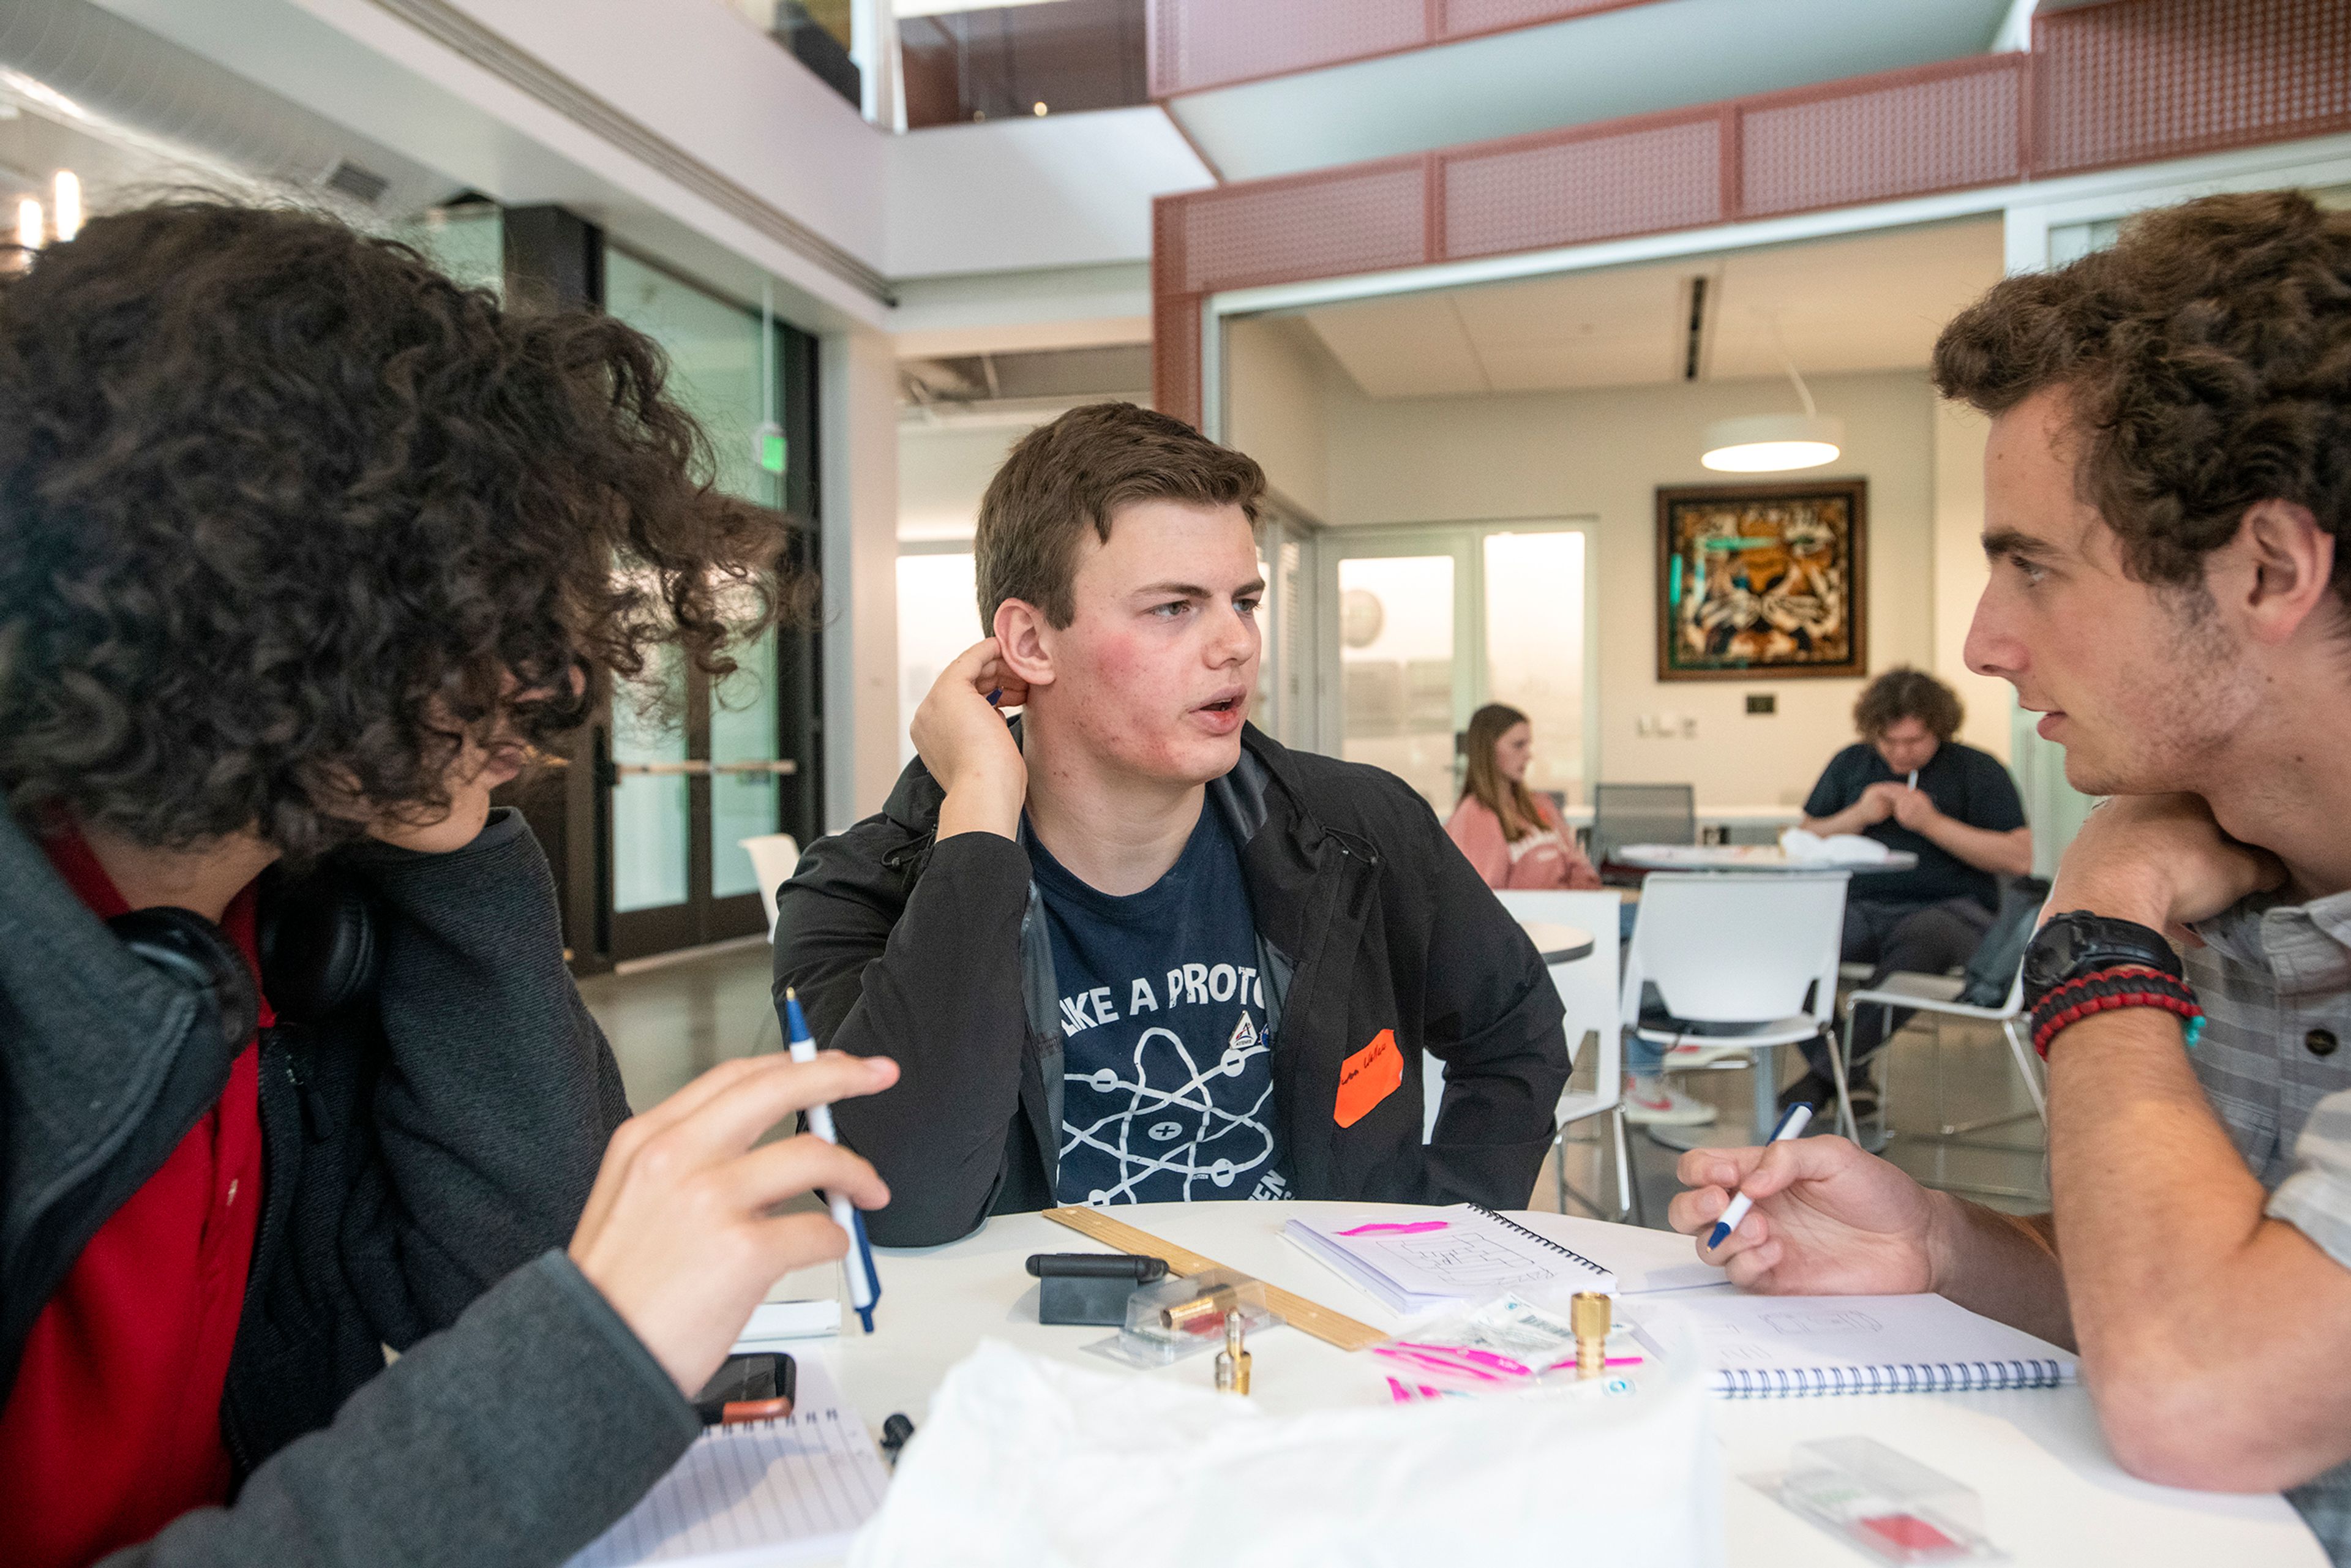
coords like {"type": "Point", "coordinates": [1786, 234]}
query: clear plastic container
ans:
{"type": "Point", "coordinates": [1177, 1318]}
{"type": "Point", "coordinates": [1886, 1506]}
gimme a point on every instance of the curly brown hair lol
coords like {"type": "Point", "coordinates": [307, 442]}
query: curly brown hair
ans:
{"type": "Point", "coordinates": [1904, 693]}
{"type": "Point", "coordinates": [2207, 361]}
{"type": "Point", "coordinates": [286, 516]}
{"type": "Point", "coordinates": [1079, 470]}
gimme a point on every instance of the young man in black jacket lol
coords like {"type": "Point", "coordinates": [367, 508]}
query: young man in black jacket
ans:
{"type": "Point", "coordinates": [300, 546]}
{"type": "Point", "coordinates": [1131, 951]}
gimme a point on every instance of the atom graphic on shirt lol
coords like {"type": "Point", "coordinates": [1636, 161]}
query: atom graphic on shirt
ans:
{"type": "Point", "coordinates": [1182, 1130]}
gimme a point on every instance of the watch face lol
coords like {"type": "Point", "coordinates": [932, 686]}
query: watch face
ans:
{"type": "Point", "coordinates": [2051, 953]}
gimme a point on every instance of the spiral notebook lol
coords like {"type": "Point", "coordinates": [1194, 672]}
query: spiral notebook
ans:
{"type": "Point", "coordinates": [1783, 1347]}
{"type": "Point", "coordinates": [760, 1492]}
{"type": "Point", "coordinates": [1419, 1260]}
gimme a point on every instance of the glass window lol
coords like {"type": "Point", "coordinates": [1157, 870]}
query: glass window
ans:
{"type": "Point", "coordinates": [1395, 668]}
{"type": "Point", "coordinates": [650, 800]}
{"type": "Point", "coordinates": [468, 243]}
{"type": "Point", "coordinates": [1534, 647]}
{"type": "Point", "coordinates": [721, 372]}
{"type": "Point", "coordinates": [717, 366]}
{"type": "Point", "coordinates": [743, 790]}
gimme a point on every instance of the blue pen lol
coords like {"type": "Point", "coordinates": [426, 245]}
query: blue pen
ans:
{"type": "Point", "coordinates": [1790, 1126]}
{"type": "Point", "coordinates": [864, 1285]}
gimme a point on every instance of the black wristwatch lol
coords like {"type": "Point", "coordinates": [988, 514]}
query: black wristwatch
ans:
{"type": "Point", "coordinates": [2079, 943]}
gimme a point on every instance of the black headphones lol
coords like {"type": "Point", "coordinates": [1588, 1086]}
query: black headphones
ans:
{"type": "Point", "coordinates": [318, 946]}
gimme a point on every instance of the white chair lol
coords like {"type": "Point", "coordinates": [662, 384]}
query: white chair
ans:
{"type": "Point", "coordinates": [773, 856]}
{"type": "Point", "coordinates": [1936, 995]}
{"type": "Point", "coordinates": [1740, 952]}
{"type": "Point", "coordinates": [1587, 987]}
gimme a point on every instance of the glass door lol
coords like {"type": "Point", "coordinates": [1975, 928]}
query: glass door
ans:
{"type": "Point", "coordinates": [1420, 627]}
{"type": "Point", "coordinates": [1400, 605]}
{"type": "Point", "coordinates": [704, 765]}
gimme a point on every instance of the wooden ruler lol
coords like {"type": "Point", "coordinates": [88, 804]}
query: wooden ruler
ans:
{"type": "Point", "coordinates": [1330, 1327]}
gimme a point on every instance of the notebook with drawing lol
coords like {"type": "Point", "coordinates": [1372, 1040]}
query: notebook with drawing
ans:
{"type": "Point", "coordinates": [1421, 1260]}
{"type": "Point", "coordinates": [763, 1491]}
{"type": "Point", "coordinates": [1778, 1347]}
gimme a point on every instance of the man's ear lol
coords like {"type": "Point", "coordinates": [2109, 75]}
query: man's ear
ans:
{"type": "Point", "coordinates": [2284, 571]}
{"type": "Point", "coordinates": [1022, 641]}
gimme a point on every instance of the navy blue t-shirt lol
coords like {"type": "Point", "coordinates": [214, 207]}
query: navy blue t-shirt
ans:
{"type": "Point", "coordinates": [1966, 785]}
{"type": "Point", "coordinates": [1167, 1079]}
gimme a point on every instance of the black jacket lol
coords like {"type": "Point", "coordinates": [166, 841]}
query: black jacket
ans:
{"type": "Point", "coordinates": [1368, 919]}
{"type": "Point", "coordinates": [427, 1155]}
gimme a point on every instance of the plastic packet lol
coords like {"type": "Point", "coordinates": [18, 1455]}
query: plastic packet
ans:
{"type": "Point", "coordinates": [1882, 1503]}
{"type": "Point", "coordinates": [1505, 1343]}
{"type": "Point", "coordinates": [1178, 1318]}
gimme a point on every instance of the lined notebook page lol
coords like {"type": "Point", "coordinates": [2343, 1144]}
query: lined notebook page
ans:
{"type": "Point", "coordinates": [1783, 1346]}
{"type": "Point", "coordinates": [765, 1492]}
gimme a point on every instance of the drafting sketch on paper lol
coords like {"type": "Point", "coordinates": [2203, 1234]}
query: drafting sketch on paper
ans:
{"type": "Point", "coordinates": [1462, 1258]}
{"type": "Point", "coordinates": [1821, 1320]}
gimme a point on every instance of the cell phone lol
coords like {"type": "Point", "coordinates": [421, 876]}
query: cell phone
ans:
{"type": "Point", "coordinates": [749, 1388]}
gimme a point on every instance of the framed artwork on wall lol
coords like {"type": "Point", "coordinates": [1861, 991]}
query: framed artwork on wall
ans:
{"type": "Point", "coordinates": [1762, 580]}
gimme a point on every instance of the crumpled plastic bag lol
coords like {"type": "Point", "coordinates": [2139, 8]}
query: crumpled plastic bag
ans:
{"type": "Point", "coordinates": [1025, 1462]}
{"type": "Point", "coordinates": [1808, 848]}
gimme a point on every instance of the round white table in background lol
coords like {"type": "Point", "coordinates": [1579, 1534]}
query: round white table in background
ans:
{"type": "Point", "coordinates": [1747, 857]}
{"type": "Point", "coordinates": [1558, 943]}
{"type": "Point", "coordinates": [2052, 1493]}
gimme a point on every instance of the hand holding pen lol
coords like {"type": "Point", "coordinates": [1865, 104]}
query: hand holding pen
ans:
{"type": "Point", "coordinates": [680, 1234]}
{"type": "Point", "coordinates": [864, 1283]}
{"type": "Point", "coordinates": [1824, 1219]}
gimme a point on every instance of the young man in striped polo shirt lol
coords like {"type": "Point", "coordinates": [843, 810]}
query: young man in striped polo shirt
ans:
{"type": "Point", "coordinates": [2167, 512]}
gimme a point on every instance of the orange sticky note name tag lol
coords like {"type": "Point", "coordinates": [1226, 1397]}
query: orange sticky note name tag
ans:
{"type": "Point", "coordinates": [1368, 1077]}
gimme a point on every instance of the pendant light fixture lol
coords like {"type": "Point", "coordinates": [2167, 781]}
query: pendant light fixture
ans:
{"type": "Point", "coordinates": [1776, 443]}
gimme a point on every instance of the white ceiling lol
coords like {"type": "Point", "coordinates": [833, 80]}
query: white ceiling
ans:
{"type": "Point", "coordinates": [1636, 59]}
{"type": "Point", "coordinates": [1867, 302]}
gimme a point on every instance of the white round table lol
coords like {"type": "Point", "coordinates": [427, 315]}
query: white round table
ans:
{"type": "Point", "coordinates": [1556, 943]}
{"type": "Point", "coordinates": [2052, 1493]}
{"type": "Point", "coordinates": [1749, 857]}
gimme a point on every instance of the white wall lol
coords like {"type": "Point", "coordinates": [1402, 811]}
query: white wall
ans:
{"type": "Point", "coordinates": [858, 427]}
{"type": "Point", "coordinates": [943, 471]}
{"type": "Point", "coordinates": [1280, 383]}
{"type": "Point", "coordinates": [1602, 454]}
{"type": "Point", "coordinates": [1066, 190]}
{"type": "Point", "coordinates": [732, 99]}
{"type": "Point", "coordinates": [1961, 573]}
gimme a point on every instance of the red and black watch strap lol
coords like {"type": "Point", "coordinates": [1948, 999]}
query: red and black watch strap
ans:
{"type": "Point", "coordinates": [2108, 990]}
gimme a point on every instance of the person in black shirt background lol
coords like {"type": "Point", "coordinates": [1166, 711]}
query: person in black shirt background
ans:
{"type": "Point", "coordinates": [1910, 786]}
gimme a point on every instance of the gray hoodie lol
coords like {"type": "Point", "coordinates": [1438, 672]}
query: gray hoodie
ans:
{"type": "Point", "coordinates": [428, 1152]}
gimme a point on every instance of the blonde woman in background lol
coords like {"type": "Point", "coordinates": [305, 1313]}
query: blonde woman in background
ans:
{"type": "Point", "coordinates": [1510, 834]}
{"type": "Point", "coordinates": [1515, 839]}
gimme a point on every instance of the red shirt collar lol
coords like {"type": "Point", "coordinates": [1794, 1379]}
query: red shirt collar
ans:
{"type": "Point", "coordinates": [77, 865]}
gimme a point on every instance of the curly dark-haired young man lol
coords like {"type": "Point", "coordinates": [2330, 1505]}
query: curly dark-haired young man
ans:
{"type": "Point", "coordinates": [1910, 783]}
{"type": "Point", "coordinates": [1133, 950]}
{"type": "Point", "coordinates": [301, 547]}
{"type": "Point", "coordinates": [2168, 511]}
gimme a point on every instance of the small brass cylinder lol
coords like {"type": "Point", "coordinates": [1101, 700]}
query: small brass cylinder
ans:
{"type": "Point", "coordinates": [1233, 1361]}
{"type": "Point", "coordinates": [1201, 1314]}
{"type": "Point", "coordinates": [1588, 1315]}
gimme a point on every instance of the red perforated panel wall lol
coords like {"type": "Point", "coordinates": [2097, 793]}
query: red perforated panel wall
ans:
{"type": "Point", "coordinates": [2139, 79]}
{"type": "Point", "coordinates": [1462, 18]}
{"type": "Point", "coordinates": [1176, 355]}
{"type": "Point", "coordinates": [2126, 81]}
{"type": "Point", "coordinates": [1546, 192]}
{"type": "Point", "coordinates": [1196, 44]}
{"type": "Point", "coordinates": [1937, 132]}
{"type": "Point", "coordinates": [1359, 219]}
{"type": "Point", "coordinates": [1200, 44]}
